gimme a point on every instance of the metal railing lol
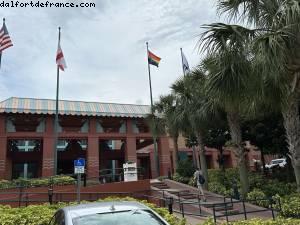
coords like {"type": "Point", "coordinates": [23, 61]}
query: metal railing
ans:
{"type": "Point", "coordinates": [224, 207]}
{"type": "Point", "coordinates": [270, 208]}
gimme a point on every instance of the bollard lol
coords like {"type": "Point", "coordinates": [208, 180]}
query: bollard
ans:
{"type": "Point", "coordinates": [50, 195]}
{"type": "Point", "coordinates": [214, 214]}
{"type": "Point", "coordinates": [84, 179]}
{"type": "Point", "coordinates": [235, 190]}
{"type": "Point", "coordinates": [245, 212]}
{"type": "Point", "coordinates": [169, 174]}
{"type": "Point", "coordinates": [20, 194]}
{"type": "Point", "coordinates": [170, 204]}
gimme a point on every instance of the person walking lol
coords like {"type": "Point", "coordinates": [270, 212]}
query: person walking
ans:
{"type": "Point", "coordinates": [200, 181]}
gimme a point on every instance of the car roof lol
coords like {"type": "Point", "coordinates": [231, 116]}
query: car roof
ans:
{"type": "Point", "coordinates": [102, 207]}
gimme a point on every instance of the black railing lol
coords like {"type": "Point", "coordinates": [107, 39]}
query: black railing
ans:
{"type": "Point", "coordinates": [229, 206]}
{"type": "Point", "coordinates": [270, 208]}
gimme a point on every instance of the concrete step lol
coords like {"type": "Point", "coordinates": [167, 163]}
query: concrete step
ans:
{"type": "Point", "coordinates": [217, 205]}
{"type": "Point", "coordinates": [160, 185]}
{"type": "Point", "coordinates": [188, 196]}
{"type": "Point", "coordinates": [184, 191]}
{"type": "Point", "coordinates": [231, 212]}
{"type": "Point", "coordinates": [176, 191]}
{"type": "Point", "coordinates": [222, 208]}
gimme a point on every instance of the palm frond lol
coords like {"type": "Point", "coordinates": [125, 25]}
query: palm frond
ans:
{"type": "Point", "coordinates": [219, 37]}
{"type": "Point", "coordinates": [254, 12]}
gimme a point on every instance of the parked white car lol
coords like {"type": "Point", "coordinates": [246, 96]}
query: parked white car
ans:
{"type": "Point", "coordinates": [105, 213]}
{"type": "Point", "coordinates": [277, 162]}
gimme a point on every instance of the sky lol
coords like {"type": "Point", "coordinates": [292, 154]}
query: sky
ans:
{"type": "Point", "coordinates": [104, 48]}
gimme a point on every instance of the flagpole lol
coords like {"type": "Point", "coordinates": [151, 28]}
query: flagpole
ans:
{"type": "Point", "coordinates": [152, 112]}
{"type": "Point", "coordinates": [0, 58]}
{"type": "Point", "coordinates": [151, 98]}
{"type": "Point", "coordinates": [182, 62]}
{"type": "Point", "coordinates": [56, 115]}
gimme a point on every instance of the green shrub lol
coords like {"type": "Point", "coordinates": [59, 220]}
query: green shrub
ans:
{"type": "Point", "coordinates": [56, 180]}
{"type": "Point", "coordinates": [192, 182]}
{"type": "Point", "coordinates": [185, 168]}
{"type": "Point", "coordinates": [256, 181]}
{"type": "Point", "coordinates": [273, 187]}
{"type": "Point", "coordinates": [27, 215]}
{"type": "Point", "coordinates": [226, 180]}
{"type": "Point", "coordinates": [269, 187]}
{"type": "Point", "coordinates": [181, 179]}
{"type": "Point", "coordinates": [257, 195]}
{"type": "Point", "coordinates": [290, 206]}
{"type": "Point", "coordinates": [5, 184]}
{"type": "Point", "coordinates": [216, 188]}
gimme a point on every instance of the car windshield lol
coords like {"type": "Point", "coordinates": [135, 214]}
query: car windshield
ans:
{"type": "Point", "coordinates": [277, 161]}
{"type": "Point", "coordinates": [133, 217]}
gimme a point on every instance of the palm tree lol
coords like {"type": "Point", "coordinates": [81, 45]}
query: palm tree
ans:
{"type": "Point", "coordinates": [166, 108]}
{"type": "Point", "coordinates": [230, 81]}
{"type": "Point", "coordinates": [277, 54]}
{"type": "Point", "coordinates": [191, 100]}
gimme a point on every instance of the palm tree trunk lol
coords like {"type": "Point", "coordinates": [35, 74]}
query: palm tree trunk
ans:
{"type": "Point", "coordinates": [291, 122]}
{"type": "Point", "coordinates": [175, 152]}
{"type": "Point", "coordinates": [233, 119]}
{"type": "Point", "coordinates": [262, 159]}
{"type": "Point", "coordinates": [203, 163]}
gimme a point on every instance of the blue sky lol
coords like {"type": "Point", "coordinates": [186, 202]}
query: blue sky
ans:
{"type": "Point", "coordinates": [104, 48]}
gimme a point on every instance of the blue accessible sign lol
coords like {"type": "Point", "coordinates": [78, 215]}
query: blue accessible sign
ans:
{"type": "Point", "coordinates": [79, 165]}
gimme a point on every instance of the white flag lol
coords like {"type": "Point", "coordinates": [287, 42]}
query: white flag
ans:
{"type": "Point", "coordinates": [185, 64]}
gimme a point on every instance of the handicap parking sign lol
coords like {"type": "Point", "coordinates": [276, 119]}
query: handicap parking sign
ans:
{"type": "Point", "coordinates": [79, 162]}
{"type": "Point", "coordinates": [79, 166]}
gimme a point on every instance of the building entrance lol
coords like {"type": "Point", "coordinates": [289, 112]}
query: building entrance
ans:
{"type": "Point", "coordinates": [67, 151]}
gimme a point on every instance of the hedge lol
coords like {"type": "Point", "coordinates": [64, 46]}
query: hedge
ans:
{"type": "Point", "coordinates": [56, 180]}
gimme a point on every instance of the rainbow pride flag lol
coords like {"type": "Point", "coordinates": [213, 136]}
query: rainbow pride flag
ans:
{"type": "Point", "coordinates": [153, 59]}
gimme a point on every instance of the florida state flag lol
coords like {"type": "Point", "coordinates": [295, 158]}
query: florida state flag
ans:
{"type": "Point", "coordinates": [60, 60]}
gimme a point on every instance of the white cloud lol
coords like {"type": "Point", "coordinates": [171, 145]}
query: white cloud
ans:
{"type": "Point", "coordinates": [104, 48]}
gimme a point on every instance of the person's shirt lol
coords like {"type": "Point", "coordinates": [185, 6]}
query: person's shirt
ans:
{"type": "Point", "coordinates": [196, 175]}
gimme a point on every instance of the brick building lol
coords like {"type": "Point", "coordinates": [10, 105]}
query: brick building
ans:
{"type": "Point", "coordinates": [105, 134]}
{"type": "Point", "coordinates": [212, 155]}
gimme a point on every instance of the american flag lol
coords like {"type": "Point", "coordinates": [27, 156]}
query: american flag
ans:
{"type": "Point", "coordinates": [5, 41]}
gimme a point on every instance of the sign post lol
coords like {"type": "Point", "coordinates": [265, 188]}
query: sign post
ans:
{"type": "Point", "coordinates": [79, 165]}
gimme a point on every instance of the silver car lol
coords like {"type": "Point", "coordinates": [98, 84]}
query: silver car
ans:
{"type": "Point", "coordinates": [107, 213]}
